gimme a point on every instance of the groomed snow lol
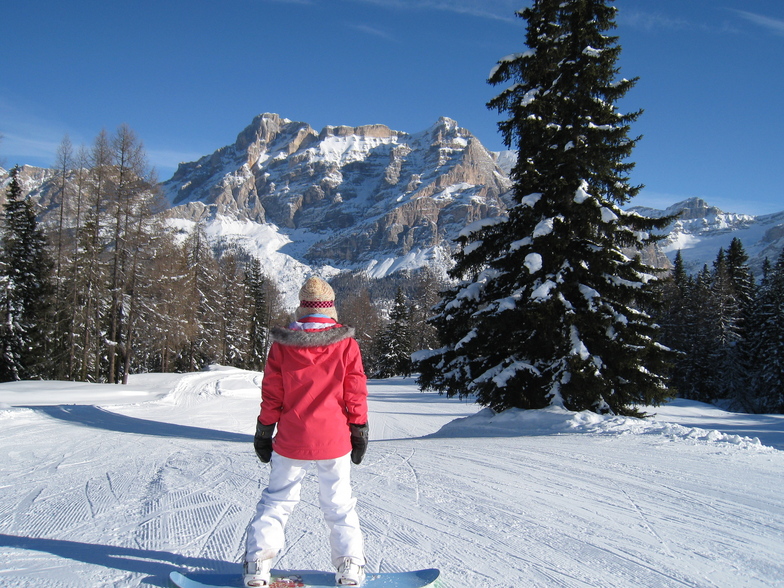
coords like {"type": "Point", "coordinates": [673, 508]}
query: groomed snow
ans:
{"type": "Point", "coordinates": [106, 485]}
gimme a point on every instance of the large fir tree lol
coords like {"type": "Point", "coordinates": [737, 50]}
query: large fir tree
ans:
{"type": "Point", "coordinates": [766, 393]}
{"type": "Point", "coordinates": [554, 304]}
{"type": "Point", "coordinates": [732, 296]}
{"type": "Point", "coordinates": [26, 290]}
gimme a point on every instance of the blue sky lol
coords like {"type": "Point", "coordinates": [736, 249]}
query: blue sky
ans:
{"type": "Point", "coordinates": [188, 76]}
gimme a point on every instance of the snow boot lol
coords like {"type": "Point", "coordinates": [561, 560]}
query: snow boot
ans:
{"type": "Point", "coordinates": [257, 573]}
{"type": "Point", "coordinates": [349, 573]}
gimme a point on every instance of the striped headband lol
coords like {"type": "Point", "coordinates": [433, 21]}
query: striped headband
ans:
{"type": "Point", "coordinates": [317, 303]}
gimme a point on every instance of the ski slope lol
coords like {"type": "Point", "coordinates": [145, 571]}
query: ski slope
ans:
{"type": "Point", "coordinates": [104, 485]}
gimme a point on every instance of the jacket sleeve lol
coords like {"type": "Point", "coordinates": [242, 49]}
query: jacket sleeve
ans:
{"type": "Point", "coordinates": [272, 388]}
{"type": "Point", "coordinates": [355, 386]}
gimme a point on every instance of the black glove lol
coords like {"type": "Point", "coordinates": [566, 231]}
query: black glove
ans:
{"type": "Point", "coordinates": [359, 442]}
{"type": "Point", "coordinates": [262, 441]}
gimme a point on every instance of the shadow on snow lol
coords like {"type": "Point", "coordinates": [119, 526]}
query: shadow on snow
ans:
{"type": "Point", "coordinates": [156, 564]}
{"type": "Point", "coordinates": [93, 416]}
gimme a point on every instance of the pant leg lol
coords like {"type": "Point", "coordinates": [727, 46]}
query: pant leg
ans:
{"type": "Point", "coordinates": [339, 508]}
{"type": "Point", "coordinates": [266, 530]}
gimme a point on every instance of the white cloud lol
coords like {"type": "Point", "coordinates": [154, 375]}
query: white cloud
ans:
{"type": "Point", "coordinates": [302, 2]}
{"type": "Point", "coordinates": [492, 9]}
{"type": "Point", "coordinates": [32, 140]}
{"type": "Point", "coordinates": [651, 21]}
{"type": "Point", "coordinates": [28, 139]}
{"type": "Point", "coordinates": [774, 25]}
{"type": "Point", "coordinates": [37, 148]}
{"type": "Point", "coordinates": [367, 29]}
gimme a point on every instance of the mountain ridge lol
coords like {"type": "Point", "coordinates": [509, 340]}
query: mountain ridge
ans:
{"type": "Point", "coordinates": [376, 199]}
{"type": "Point", "coordinates": [701, 230]}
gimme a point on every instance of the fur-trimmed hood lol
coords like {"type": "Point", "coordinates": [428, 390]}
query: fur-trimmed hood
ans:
{"type": "Point", "coordinates": [314, 338]}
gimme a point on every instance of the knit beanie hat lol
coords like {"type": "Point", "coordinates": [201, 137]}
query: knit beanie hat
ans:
{"type": "Point", "coordinates": [316, 296]}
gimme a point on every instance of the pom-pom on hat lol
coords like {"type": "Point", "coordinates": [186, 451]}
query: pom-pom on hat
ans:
{"type": "Point", "coordinates": [316, 297]}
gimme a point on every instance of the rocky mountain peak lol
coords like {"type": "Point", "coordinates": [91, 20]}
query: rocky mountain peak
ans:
{"type": "Point", "coordinates": [700, 230]}
{"type": "Point", "coordinates": [693, 208]}
{"type": "Point", "coordinates": [445, 127]}
{"type": "Point", "coordinates": [271, 132]}
{"type": "Point", "coordinates": [365, 190]}
{"type": "Point", "coordinates": [374, 131]}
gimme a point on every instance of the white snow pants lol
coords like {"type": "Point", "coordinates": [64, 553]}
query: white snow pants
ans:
{"type": "Point", "coordinates": [266, 530]}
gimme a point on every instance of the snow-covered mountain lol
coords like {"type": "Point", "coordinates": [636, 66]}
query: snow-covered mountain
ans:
{"type": "Point", "coordinates": [700, 230]}
{"type": "Point", "coordinates": [348, 196]}
{"type": "Point", "coordinates": [381, 200]}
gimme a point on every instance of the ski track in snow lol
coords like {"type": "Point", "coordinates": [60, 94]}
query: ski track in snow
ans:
{"type": "Point", "coordinates": [123, 495]}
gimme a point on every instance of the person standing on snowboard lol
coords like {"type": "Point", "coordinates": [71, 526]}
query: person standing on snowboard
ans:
{"type": "Point", "coordinates": [315, 390]}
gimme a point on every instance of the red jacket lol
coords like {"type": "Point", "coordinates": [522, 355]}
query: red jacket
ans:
{"type": "Point", "coordinates": [313, 387]}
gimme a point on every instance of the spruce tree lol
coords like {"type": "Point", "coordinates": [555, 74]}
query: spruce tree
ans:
{"type": "Point", "coordinates": [744, 290]}
{"type": "Point", "coordinates": [394, 344]}
{"type": "Point", "coordinates": [59, 237]}
{"type": "Point", "coordinates": [200, 295]}
{"type": "Point", "coordinates": [426, 294]}
{"type": "Point", "coordinates": [740, 274]}
{"type": "Point", "coordinates": [233, 315]}
{"type": "Point", "coordinates": [675, 290]}
{"type": "Point", "coordinates": [260, 315]}
{"type": "Point", "coordinates": [706, 337]}
{"type": "Point", "coordinates": [26, 282]}
{"type": "Point", "coordinates": [676, 318]}
{"type": "Point", "coordinates": [734, 294]}
{"type": "Point", "coordinates": [766, 393]}
{"type": "Point", "coordinates": [552, 310]}
{"type": "Point", "coordinates": [93, 271]}
{"type": "Point", "coordinates": [728, 321]}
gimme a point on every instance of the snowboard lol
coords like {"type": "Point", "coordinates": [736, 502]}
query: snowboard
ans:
{"type": "Point", "coordinates": [307, 579]}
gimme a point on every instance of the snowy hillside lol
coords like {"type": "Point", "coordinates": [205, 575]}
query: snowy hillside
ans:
{"type": "Point", "coordinates": [116, 486]}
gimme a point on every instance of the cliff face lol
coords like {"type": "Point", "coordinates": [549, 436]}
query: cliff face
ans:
{"type": "Point", "coordinates": [366, 189]}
